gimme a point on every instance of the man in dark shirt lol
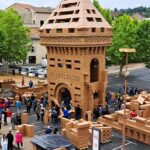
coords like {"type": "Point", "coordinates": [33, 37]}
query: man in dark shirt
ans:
{"type": "Point", "coordinates": [10, 138]}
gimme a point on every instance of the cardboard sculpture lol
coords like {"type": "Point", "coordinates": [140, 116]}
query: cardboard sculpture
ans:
{"type": "Point", "coordinates": [139, 128]}
{"type": "Point", "coordinates": [76, 36]}
{"type": "Point", "coordinates": [80, 132]}
{"type": "Point", "coordinates": [5, 84]}
{"type": "Point", "coordinates": [26, 130]}
{"type": "Point", "coordinates": [38, 90]}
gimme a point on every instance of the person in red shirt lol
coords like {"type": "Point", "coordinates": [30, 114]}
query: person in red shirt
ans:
{"type": "Point", "coordinates": [133, 114]}
{"type": "Point", "coordinates": [9, 113]}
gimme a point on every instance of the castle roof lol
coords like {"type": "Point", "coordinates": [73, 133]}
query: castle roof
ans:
{"type": "Point", "coordinates": [75, 14]}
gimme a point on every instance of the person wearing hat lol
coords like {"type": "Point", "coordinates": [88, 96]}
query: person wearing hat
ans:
{"type": "Point", "coordinates": [10, 138]}
{"type": "Point", "coordinates": [19, 139]}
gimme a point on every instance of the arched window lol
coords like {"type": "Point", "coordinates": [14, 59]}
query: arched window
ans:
{"type": "Point", "coordinates": [94, 70]}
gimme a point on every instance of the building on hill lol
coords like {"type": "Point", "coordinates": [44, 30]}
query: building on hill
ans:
{"type": "Point", "coordinates": [33, 17]}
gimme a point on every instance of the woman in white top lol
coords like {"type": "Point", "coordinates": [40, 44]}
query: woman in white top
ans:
{"type": "Point", "coordinates": [4, 142]}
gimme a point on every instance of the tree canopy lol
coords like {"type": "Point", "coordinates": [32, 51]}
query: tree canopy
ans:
{"type": "Point", "coordinates": [105, 12]}
{"type": "Point", "coordinates": [124, 30]}
{"type": "Point", "coordinates": [15, 37]}
{"type": "Point", "coordinates": [143, 42]}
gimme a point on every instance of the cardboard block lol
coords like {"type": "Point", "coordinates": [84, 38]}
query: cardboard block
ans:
{"type": "Point", "coordinates": [25, 118]}
{"type": "Point", "coordinates": [140, 100]}
{"type": "Point", "coordinates": [29, 130]}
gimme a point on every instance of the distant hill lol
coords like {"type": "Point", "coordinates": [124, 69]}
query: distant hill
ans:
{"type": "Point", "coordinates": [144, 11]}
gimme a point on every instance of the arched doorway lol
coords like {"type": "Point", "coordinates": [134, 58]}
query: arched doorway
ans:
{"type": "Point", "coordinates": [64, 95]}
{"type": "Point", "coordinates": [94, 70]}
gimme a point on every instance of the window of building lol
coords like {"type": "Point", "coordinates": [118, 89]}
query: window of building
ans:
{"type": "Point", "coordinates": [33, 21]}
{"type": "Point", "coordinates": [52, 65]}
{"type": "Point", "coordinates": [52, 59]}
{"type": "Point", "coordinates": [32, 59]}
{"type": "Point", "coordinates": [51, 21]}
{"type": "Point", "coordinates": [77, 61]}
{"type": "Point", "coordinates": [93, 29]}
{"type": "Point", "coordinates": [77, 68]}
{"type": "Point", "coordinates": [102, 29]}
{"type": "Point", "coordinates": [55, 14]}
{"type": "Point", "coordinates": [95, 95]}
{"type": "Point", "coordinates": [68, 60]}
{"type": "Point", "coordinates": [88, 11]}
{"type": "Point", "coordinates": [60, 65]}
{"type": "Point", "coordinates": [77, 11]}
{"type": "Point", "coordinates": [90, 19]}
{"type": "Point", "coordinates": [48, 30]}
{"type": "Point", "coordinates": [94, 70]}
{"type": "Point", "coordinates": [75, 19]}
{"type": "Point", "coordinates": [41, 22]}
{"type": "Point", "coordinates": [98, 19]}
{"type": "Point", "coordinates": [32, 49]}
{"type": "Point", "coordinates": [68, 66]}
{"type": "Point", "coordinates": [71, 30]}
{"type": "Point", "coordinates": [66, 13]}
{"type": "Point", "coordinates": [59, 30]}
{"type": "Point", "coordinates": [93, 11]}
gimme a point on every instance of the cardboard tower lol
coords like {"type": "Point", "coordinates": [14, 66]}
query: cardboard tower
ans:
{"type": "Point", "coordinates": [76, 36]}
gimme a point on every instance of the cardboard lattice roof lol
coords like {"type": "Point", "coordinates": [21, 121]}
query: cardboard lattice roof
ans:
{"type": "Point", "coordinates": [75, 14]}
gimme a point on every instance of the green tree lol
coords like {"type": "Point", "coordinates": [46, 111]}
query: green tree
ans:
{"type": "Point", "coordinates": [143, 42]}
{"type": "Point", "coordinates": [16, 37]}
{"type": "Point", "coordinates": [105, 12]}
{"type": "Point", "coordinates": [124, 30]}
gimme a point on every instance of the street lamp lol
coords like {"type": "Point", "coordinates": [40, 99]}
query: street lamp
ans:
{"type": "Point", "coordinates": [126, 51]}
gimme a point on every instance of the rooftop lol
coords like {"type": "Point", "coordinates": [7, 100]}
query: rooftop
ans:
{"type": "Point", "coordinates": [76, 14]}
{"type": "Point", "coordinates": [30, 7]}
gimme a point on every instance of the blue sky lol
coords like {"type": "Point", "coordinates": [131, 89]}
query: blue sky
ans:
{"type": "Point", "coordinates": [105, 3]}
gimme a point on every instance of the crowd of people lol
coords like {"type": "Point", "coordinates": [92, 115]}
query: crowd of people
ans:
{"type": "Point", "coordinates": [65, 109]}
{"type": "Point", "coordinates": [114, 103]}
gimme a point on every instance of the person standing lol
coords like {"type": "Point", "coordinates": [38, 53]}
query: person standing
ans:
{"type": "Point", "coordinates": [13, 72]}
{"type": "Point", "coordinates": [18, 106]}
{"type": "Point", "coordinates": [77, 112]}
{"type": "Point", "coordinates": [5, 117]}
{"type": "Point", "coordinates": [10, 138]}
{"type": "Point", "coordinates": [28, 104]}
{"type": "Point", "coordinates": [13, 121]}
{"type": "Point", "coordinates": [4, 142]}
{"type": "Point", "coordinates": [30, 83]}
{"type": "Point", "coordinates": [9, 113]}
{"type": "Point", "coordinates": [19, 139]}
{"type": "Point", "coordinates": [42, 112]}
{"type": "Point", "coordinates": [38, 111]}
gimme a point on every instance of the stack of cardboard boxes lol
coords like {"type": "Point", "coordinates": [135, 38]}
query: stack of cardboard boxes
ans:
{"type": "Point", "coordinates": [80, 132]}
{"type": "Point", "coordinates": [139, 127]}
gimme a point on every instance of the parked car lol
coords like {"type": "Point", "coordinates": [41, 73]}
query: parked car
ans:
{"type": "Point", "coordinates": [32, 70]}
{"type": "Point", "coordinates": [13, 65]}
{"type": "Point", "coordinates": [1, 64]}
{"type": "Point", "coordinates": [28, 70]}
{"type": "Point", "coordinates": [24, 71]}
{"type": "Point", "coordinates": [41, 72]}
